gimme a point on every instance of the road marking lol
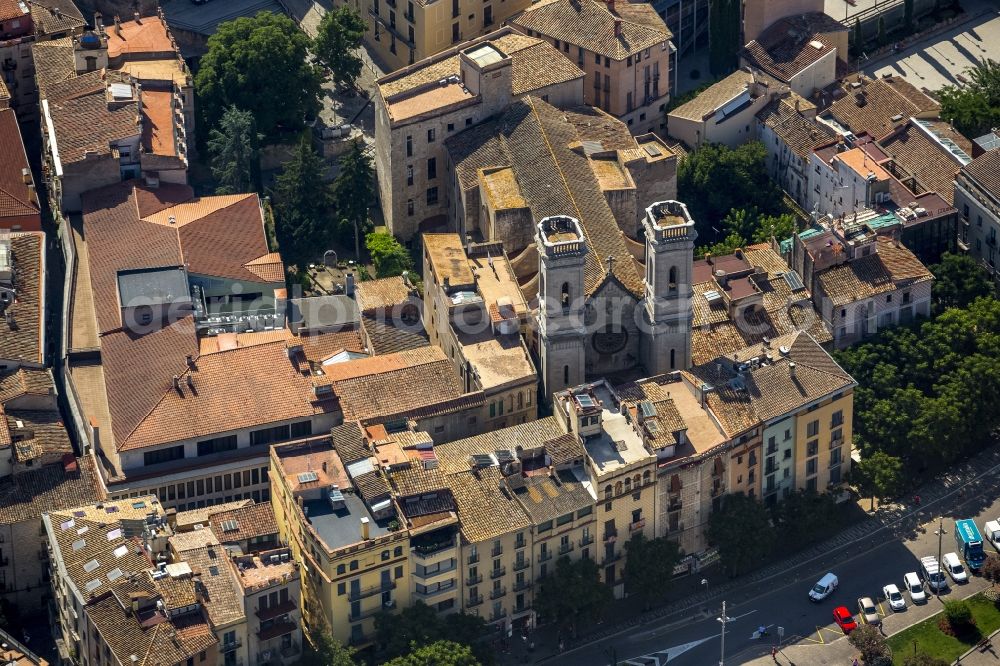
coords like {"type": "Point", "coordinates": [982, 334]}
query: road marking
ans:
{"type": "Point", "coordinates": [661, 657]}
{"type": "Point", "coordinates": [756, 634]}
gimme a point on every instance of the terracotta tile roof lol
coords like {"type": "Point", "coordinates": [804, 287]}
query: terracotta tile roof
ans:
{"type": "Point", "coordinates": [136, 38]}
{"type": "Point", "coordinates": [321, 346]}
{"type": "Point", "coordinates": [485, 511]}
{"type": "Point", "coordinates": [883, 99]}
{"type": "Point", "coordinates": [53, 63]}
{"type": "Point", "coordinates": [15, 195]}
{"type": "Point", "coordinates": [799, 133]}
{"type": "Point", "coordinates": [712, 98]}
{"type": "Point", "coordinates": [225, 341]}
{"type": "Point", "coordinates": [268, 267]}
{"type": "Point", "coordinates": [158, 122]}
{"type": "Point", "coordinates": [195, 516]}
{"type": "Point", "coordinates": [454, 456]}
{"type": "Point", "coordinates": [261, 380]}
{"type": "Point", "coordinates": [591, 24]}
{"type": "Point", "coordinates": [932, 164]}
{"type": "Point", "coordinates": [83, 122]}
{"type": "Point", "coordinates": [535, 139]}
{"type": "Point", "coordinates": [543, 498]}
{"type": "Point", "coordinates": [349, 442]}
{"type": "Point", "coordinates": [254, 520]}
{"type": "Point", "coordinates": [372, 486]}
{"type": "Point", "coordinates": [37, 435]}
{"type": "Point", "coordinates": [985, 171]}
{"type": "Point", "coordinates": [25, 381]}
{"type": "Point", "coordinates": [193, 540]}
{"type": "Point", "coordinates": [383, 294]}
{"type": "Point", "coordinates": [23, 341]}
{"type": "Point", "coordinates": [416, 480]}
{"type": "Point", "coordinates": [886, 270]}
{"type": "Point", "coordinates": [790, 44]}
{"type": "Point", "coordinates": [49, 21]}
{"type": "Point", "coordinates": [10, 9]}
{"type": "Point", "coordinates": [527, 54]}
{"type": "Point", "coordinates": [26, 495]}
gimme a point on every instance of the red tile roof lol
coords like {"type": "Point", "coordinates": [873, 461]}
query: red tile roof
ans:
{"type": "Point", "coordinates": [15, 197]}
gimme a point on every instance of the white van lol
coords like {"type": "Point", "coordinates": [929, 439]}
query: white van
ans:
{"type": "Point", "coordinates": [824, 587]}
{"type": "Point", "coordinates": [931, 572]}
{"type": "Point", "coordinates": [991, 531]}
{"type": "Point", "coordinates": [954, 568]}
{"type": "Point", "coordinates": [915, 587]}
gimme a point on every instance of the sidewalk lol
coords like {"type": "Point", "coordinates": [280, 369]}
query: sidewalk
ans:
{"type": "Point", "coordinates": [970, 481]}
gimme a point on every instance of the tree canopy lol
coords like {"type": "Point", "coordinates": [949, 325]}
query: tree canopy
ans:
{"type": "Point", "coordinates": [418, 626]}
{"type": "Point", "coordinates": [322, 649]}
{"type": "Point", "coordinates": [804, 518]}
{"type": "Point", "coordinates": [974, 107]}
{"type": "Point", "coordinates": [725, 22]}
{"type": "Point", "coordinates": [648, 567]}
{"type": "Point", "coordinates": [870, 642]}
{"type": "Point", "coordinates": [879, 475]}
{"type": "Point", "coordinates": [260, 64]}
{"type": "Point", "coordinates": [929, 392]}
{"type": "Point", "coordinates": [750, 207]}
{"type": "Point", "coordinates": [354, 192]}
{"type": "Point", "coordinates": [439, 653]}
{"type": "Point", "coordinates": [742, 532]}
{"type": "Point", "coordinates": [572, 594]}
{"type": "Point", "coordinates": [958, 280]}
{"type": "Point", "coordinates": [337, 41]}
{"type": "Point", "coordinates": [302, 207]}
{"type": "Point", "coordinates": [388, 255]}
{"type": "Point", "coordinates": [234, 148]}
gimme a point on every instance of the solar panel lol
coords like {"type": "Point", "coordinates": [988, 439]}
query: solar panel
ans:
{"type": "Point", "coordinates": [504, 455]}
{"type": "Point", "coordinates": [653, 427]}
{"type": "Point", "coordinates": [482, 460]}
{"type": "Point", "coordinates": [712, 295]}
{"type": "Point", "coordinates": [115, 574]}
{"type": "Point", "coordinates": [138, 505]}
{"type": "Point", "coordinates": [793, 280]}
{"type": "Point", "coordinates": [91, 565]}
{"type": "Point", "coordinates": [585, 400]}
{"type": "Point", "coordinates": [308, 477]}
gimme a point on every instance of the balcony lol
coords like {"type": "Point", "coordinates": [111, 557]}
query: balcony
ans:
{"type": "Point", "coordinates": [363, 614]}
{"type": "Point", "coordinates": [496, 594]}
{"type": "Point", "coordinates": [586, 540]}
{"type": "Point", "coordinates": [290, 651]}
{"type": "Point", "coordinates": [282, 628]}
{"type": "Point", "coordinates": [545, 556]}
{"type": "Point", "coordinates": [474, 580]}
{"type": "Point", "coordinates": [425, 594]}
{"type": "Point", "coordinates": [610, 536]}
{"type": "Point", "coordinates": [428, 551]}
{"type": "Point", "coordinates": [675, 504]}
{"type": "Point", "coordinates": [408, 16]}
{"type": "Point", "coordinates": [496, 552]}
{"type": "Point", "coordinates": [614, 558]}
{"type": "Point", "coordinates": [494, 617]}
{"type": "Point", "coordinates": [496, 573]}
{"type": "Point", "coordinates": [519, 565]}
{"type": "Point", "coordinates": [355, 595]}
{"type": "Point", "coordinates": [474, 601]}
{"type": "Point", "coordinates": [519, 544]}
{"type": "Point", "coordinates": [230, 646]}
{"type": "Point", "coordinates": [271, 612]}
{"type": "Point", "coordinates": [473, 558]}
{"type": "Point", "coordinates": [565, 548]}
{"type": "Point", "coordinates": [522, 585]}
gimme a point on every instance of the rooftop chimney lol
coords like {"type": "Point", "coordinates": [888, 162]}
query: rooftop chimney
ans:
{"type": "Point", "coordinates": [26, 176]}
{"type": "Point", "coordinates": [190, 382]}
{"type": "Point", "coordinates": [618, 21]}
{"type": "Point", "coordinates": [364, 529]}
{"type": "Point", "coordinates": [349, 284]}
{"type": "Point", "coordinates": [189, 359]}
{"type": "Point", "coordinates": [136, 16]}
{"type": "Point", "coordinates": [118, 25]}
{"type": "Point", "coordinates": [177, 383]}
{"type": "Point", "coordinates": [791, 369]}
{"type": "Point", "coordinates": [611, 8]}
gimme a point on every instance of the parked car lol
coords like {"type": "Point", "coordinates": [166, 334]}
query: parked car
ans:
{"type": "Point", "coordinates": [868, 612]}
{"type": "Point", "coordinates": [931, 572]}
{"type": "Point", "coordinates": [824, 587]}
{"type": "Point", "coordinates": [893, 597]}
{"type": "Point", "coordinates": [844, 619]}
{"type": "Point", "coordinates": [913, 585]}
{"type": "Point", "coordinates": [954, 567]}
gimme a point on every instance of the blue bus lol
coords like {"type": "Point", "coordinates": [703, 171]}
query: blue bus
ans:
{"type": "Point", "coordinates": [970, 543]}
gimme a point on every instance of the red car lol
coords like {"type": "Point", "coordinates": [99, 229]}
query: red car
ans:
{"type": "Point", "coordinates": [844, 619]}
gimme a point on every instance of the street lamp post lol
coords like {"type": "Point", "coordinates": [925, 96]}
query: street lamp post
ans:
{"type": "Point", "coordinates": [704, 582]}
{"type": "Point", "coordinates": [940, 534]}
{"type": "Point", "coordinates": [722, 620]}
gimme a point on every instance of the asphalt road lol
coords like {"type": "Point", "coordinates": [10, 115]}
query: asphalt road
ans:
{"type": "Point", "coordinates": [863, 569]}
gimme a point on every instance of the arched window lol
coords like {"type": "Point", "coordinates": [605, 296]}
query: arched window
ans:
{"type": "Point", "coordinates": [618, 488]}
{"type": "Point", "coordinates": [672, 279]}
{"type": "Point", "coordinates": [673, 359]}
{"type": "Point", "coordinates": [645, 476]}
{"type": "Point", "coordinates": [607, 491]}
{"type": "Point", "coordinates": [628, 485]}
{"type": "Point", "coordinates": [564, 296]}
{"type": "Point", "coordinates": [635, 480]}
{"type": "Point", "coordinates": [566, 375]}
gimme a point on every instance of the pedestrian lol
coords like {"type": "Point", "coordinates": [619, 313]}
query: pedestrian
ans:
{"type": "Point", "coordinates": [855, 662]}
{"type": "Point", "coordinates": [774, 654]}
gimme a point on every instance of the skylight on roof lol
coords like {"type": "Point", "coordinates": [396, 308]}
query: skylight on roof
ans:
{"type": "Point", "coordinates": [138, 505]}
{"type": "Point", "coordinates": [308, 477]}
{"type": "Point", "coordinates": [120, 551]}
{"type": "Point", "coordinates": [91, 565]}
{"type": "Point", "coordinates": [93, 585]}
{"type": "Point", "coordinates": [793, 280]}
{"type": "Point", "coordinates": [115, 534]}
{"type": "Point", "coordinates": [67, 525]}
{"type": "Point", "coordinates": [230, 525]}
{"type": "Point", "coordinates": [78, 545]}
{"type": "Point", "coordinates": [214, 570]}
{"type": "Point", "coordinates": [82, 530]}
{"type": "Point", "coordinates": [115, 574]}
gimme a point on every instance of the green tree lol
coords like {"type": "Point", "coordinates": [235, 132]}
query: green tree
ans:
{"type": "Point", "coordinates": [388, 255]}
{"type": "Point", "coordinates": [354, 192]}
{"type": "Point", "coordinates": [259, 64]}
{"type": "Point", "coordinates": [648, 567]}
{"type": "Point", "coordinates": [879, 475]}
{"type": "Point", "coordinates": [774, 226]}
{"type": "Point", "coordinates": [742, 532]}
{"type": "Point", "coordinates": [880, 38]}
{"type": "Point", "coordinates": [958, 280]}
{"type": "Point", "coordinates": [235, 152]}
{"type": "Point", "coordinates": [924, 659]}
{"type": "Point", "coordinates": [908, 15]}
{"type": "Point", "coordinates": [322, 649]}
{"type": "Point", "coordinates": [419, 626]}
{"type": "Point", "coordinates": [991, 568]}
{"type": "Point", "coordinates": [748, 197]}
{"type": "Point", "coordinates": [301, 209]}
{"type": "Point", "coordinates": [439, 653]}
{"type": "Point", "coordinates": [958, 614]}
{"type": "Point", "coordinates": [337, 41]}
{"type": "Point", "coordinates": [724, 40]}
{"type": "Point", "coordinates": [573, 594]}
{"type": "Point", "coordinates": [806, 517]}
{"type": "Point", "coordinates": [857, 39]}
{"type": "Point", "coordinates": [870, 642]}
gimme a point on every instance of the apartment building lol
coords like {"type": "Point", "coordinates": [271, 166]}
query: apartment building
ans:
{"type": "Point", "coordinates": [848, 179]}
{"type": "Point", "coordinates": [116, 104]}
{"type": "Point", "coordinates": [475, 312]}
{"type": "Point", "coordinates": [271, 587]}
{"type": "Point", "coordinates": [623, 47]}
{"type": "Point", "coordinates": [420, 106]}
{"type": "Point", "coordinates": [876, 106]}
{"type": "Point", "coordinates": [23, 338]}
{"type": "Point", "coordinates": [17, 185]}
{"type": "Point", "coordinates": [802, 52]}
{"type": "Point", "coordinates": [977, 196]}
{"type": "Point", "coordinates": [353, 551]}
{"type": "Point", "coordinates": [861, 279]}
{"type": "Point", "coordinates": [23, 24]}
{"type": "Point", "coordinates": [724, 112]}
{"type": "Point", "coordinates": [788, 128]}
{"type": "Point", "coordinates": [116, 597]}
{"type": "Point", "coordinates": [390, 311]}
